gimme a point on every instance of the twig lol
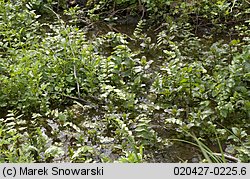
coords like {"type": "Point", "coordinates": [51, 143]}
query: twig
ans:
{"type": "Point", "coordinates": [82, 101]}
{"type": "Point", "coordinates": [162, 25]}
{"type": "Point", "coordinates": [229, 157]}
{"type": "Point", "coordinates": [142, 8]}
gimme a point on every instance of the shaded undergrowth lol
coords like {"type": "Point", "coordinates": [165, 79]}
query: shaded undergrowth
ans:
{"type": "Point", "coordinates": [66, 95]}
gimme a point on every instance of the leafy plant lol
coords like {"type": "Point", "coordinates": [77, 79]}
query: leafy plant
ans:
{"type": "Point", "coordinates": [75, 88]}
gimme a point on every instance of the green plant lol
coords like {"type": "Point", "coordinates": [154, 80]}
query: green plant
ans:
{"type": "Point", "coordinates": [72, 92]}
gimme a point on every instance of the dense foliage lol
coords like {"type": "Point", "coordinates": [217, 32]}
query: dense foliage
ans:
{"type": "Point", "coordinates": [72, 92]}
